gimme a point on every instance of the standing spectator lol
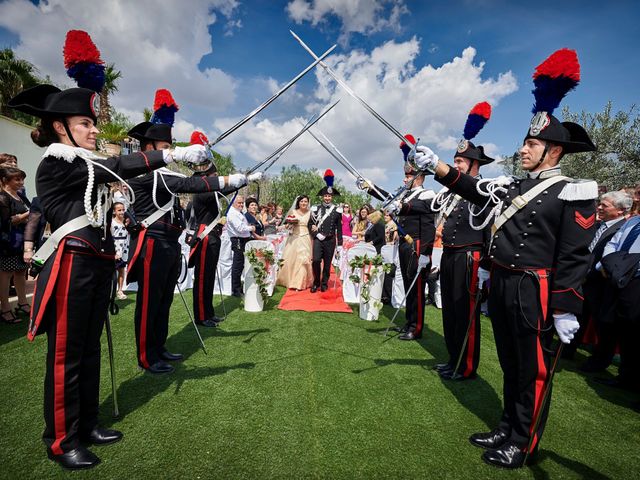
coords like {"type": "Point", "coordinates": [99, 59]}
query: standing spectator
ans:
{"type": "Point", "coordinates": [375, 233]}
{"type": "Point", "coordinates": [268, 219]}
{"type": "Point", "coordinates": [121, 240]}
{"type": "Point", "coordinates": [390, 230]}
{"type": "Point", "coordinates": [8, 160]}
{"type": "Point", "coordinates": [346, 220]}
{"type": "Point", "coordinates": [254, 219]}
{"type": "Point", "coordinates": [360, 227]}
{"type": "Point", "coordinates": [14, 214]}
{"type": "Point", "coordinates": [621, 264]}
{"type": "Point", "coordinates": [239, 232]}
{"type": "Point", "coordinates": [278, 217]}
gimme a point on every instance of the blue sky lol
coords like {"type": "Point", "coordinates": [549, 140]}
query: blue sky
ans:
{"type": "Point", "coordinates": [410, 60]}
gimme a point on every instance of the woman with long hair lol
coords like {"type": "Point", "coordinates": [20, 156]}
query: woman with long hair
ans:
{"type": "Point", "coordinates": [296, 271]}
{"type": "Point", "coordinates": [346, 220]}
{"type": "Point", "coordinates": [361, 223]}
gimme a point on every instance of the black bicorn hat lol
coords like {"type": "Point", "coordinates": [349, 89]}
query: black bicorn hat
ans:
{"type": "Point", "coordinates": [553, 79]}
{"type": "Point", "coordinates": [328, 188]}
{"type": "Point", "coordinates": [409, 167]}
{"type": "Point", "coordinates": [154, 132]}
{"type": "Point", "coordinates": [48, 101]}
{"type": "Point", "coordinates": [476, 120]}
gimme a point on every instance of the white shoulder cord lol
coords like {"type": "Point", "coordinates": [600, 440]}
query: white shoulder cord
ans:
{"type": "Point", "coordinates": [492, 187]}
{"type": "Point", "coordinates": [160, 173]}
{"type": "Point", "coordinates": [104, 199]}
{"type": "Point", "coordinates": [441, 200]}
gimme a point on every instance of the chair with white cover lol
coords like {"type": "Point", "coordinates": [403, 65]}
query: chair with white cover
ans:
{"type": "Point", "coordinates": [253, 301]}
{"type": "Point", "coordinates": [390, 255]}
{"type": "Point", "coordinates": [351, 291]}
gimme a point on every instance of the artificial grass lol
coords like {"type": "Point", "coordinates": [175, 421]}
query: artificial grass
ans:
{"type": "Point", "coordinates": [308, 395]}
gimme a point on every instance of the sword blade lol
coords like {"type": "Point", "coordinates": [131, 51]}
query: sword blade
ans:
{"type": "Point", "coordinates": [273, 97]}
{"type": "Point", "coordinates": [348, 89]}
{"type": "Point", "coordinates": [288, 143]}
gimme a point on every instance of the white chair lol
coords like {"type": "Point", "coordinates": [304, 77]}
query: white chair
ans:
{"type": "Point", "coordinates": [351, 291]}
{"type": "Point", "coordinates": [390, 255]}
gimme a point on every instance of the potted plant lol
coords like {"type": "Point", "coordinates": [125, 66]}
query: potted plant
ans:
{"type": "Point", "coordinates": [368, 273]}
{"type": "Point", "coordinates": [256, 281]}
{"type": "Point", "coordinates": [112, 134]}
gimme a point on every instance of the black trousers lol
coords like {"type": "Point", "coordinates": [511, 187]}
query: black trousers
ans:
{"type": "Point", "coordinates": [415, 303]}
{"type": "Point", "coordinates": [206, 262]}
{"type": "Point", "coordinates": [237, 247]}
{"type": "Point", "coordinates": [76, 314]}
{"type": "Point", "coordinates": [628, 313]}
{"type": "Point", "coordinates": [523, 332]}
{"type": "Point", "coordinates": [322, 254]}
{"type": "Point", "coordinates": [460, 311]}
{"type": "Point", "coordinates": [157, 278]}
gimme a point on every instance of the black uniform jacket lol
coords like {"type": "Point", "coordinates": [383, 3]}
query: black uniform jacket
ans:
{"type": "Point", "coordinates": [416, 218]}
{"type": "Point", "coordinates": [457, 233]}
{"type": "Point", "coordinates": [61, 186]}
{"type": "Point", "coordinates": [169, 227]}
{"type": "Point", "coordinates": [332, 225]}
{"type": "Point", "coordinates": [548, 233]}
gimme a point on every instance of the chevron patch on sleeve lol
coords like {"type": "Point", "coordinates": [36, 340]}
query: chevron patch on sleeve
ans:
{"type": "Point", "coordinates": [585, 222]}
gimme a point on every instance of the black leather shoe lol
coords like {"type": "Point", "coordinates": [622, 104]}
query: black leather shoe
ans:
{"type": "Point", "coordinates": [171, 357]}
{"type": "Point", "coordinates": [160, 367]}
{"type": "Point", "coordinates": [493, 439]}
{"type": "Point", "coordinates": [207, 323]}
{"type": "Point", "coordinates": [76, 459]}
{"type": "Point", "coordinates": [102, 436]}
{"type": "Point", "coordinates": [314, 289]}
{"type": "Point", "coordinates": [324, 288]}
{"type": "Point", "coordinates": [508, 455]}
{"type": "Point", "coordinates": [408, 335]}
{"type": "Point", "coordinates": [402, 329]}
{"type": "Point", "coordinates": [442, 366]}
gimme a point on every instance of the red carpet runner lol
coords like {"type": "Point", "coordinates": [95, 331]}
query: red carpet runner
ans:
{"type": "Point", "coordinates": [329, 301]}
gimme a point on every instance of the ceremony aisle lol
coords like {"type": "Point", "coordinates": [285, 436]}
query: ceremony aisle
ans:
{"type": "Point", "coordinates": [329, 301]}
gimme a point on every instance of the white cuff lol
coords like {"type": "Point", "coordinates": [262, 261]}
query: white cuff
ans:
{"type": "Point", "coordinates": [166, 156]}
{"type": "Point", "coordinates": [221, 181]}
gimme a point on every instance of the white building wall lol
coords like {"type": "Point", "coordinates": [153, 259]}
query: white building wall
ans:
{"type": "Point", "coordinates": [15, 138]}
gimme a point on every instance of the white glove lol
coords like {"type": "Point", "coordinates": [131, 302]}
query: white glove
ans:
{"type": "Point", "coordinates": [237, 180]}
{"type": "Point", "coordinates": [425, 159]}
{"type": "Point", "coordinates": [195, 154]}
{"type": "Point", "coordinates": [363, 184]}
{"type": "Point", "coordinates": [566, 325]}
{"type": "Point", "coordinates": [320, 236]}
{"type": "Point", "coordinates": [423, 261]}
{"type": "Point", "coordinates": [254, 177]}
{"type": "Point", "coordinates": [483, 276]}
{"type": "Point", "coordinates": [394, 207]}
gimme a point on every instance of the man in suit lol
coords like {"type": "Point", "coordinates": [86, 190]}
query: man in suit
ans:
{"type": "Point", "coordinates": [599, 294]}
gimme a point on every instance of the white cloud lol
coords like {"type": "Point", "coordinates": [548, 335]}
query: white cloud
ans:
{"type": "Point", "coordinates": [432, 102]}
{"type": "Point", "coordinates": [154, 45]}
{"type": "Point", "coordinates": [356, 16]}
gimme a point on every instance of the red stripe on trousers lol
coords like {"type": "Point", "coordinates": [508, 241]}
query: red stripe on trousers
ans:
{"type": "Point", "coordinates": [203, 259]}
{"type": "Point", "coordinates": [144, 321]}
{"type": "Point", "coordinates": [542, 367]}
{"type": "Point", "coordinates": [141, 236]}
{"type": "Point", "coordinates": [471, 340]}
{"type": "Point", "coordinates": [60, 356]}
{"type": "Point", "coordinates": [420, 287]}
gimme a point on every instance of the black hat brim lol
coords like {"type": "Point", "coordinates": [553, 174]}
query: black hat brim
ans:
{"type": "Point", "coordinates": [324, 190]}
{"type": "Point", "coordinates": [33, 100]}
{"type": "Point", "coordinates": [475, 153]}
{"type": "Point", "coordinates": [154, 132]}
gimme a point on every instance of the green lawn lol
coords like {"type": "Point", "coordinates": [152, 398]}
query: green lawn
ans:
{"type": "Point", "coordinates": [295, 395]}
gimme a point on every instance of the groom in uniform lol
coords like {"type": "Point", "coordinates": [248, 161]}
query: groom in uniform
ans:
{"type": "Point", "coordinates": [326, 227]}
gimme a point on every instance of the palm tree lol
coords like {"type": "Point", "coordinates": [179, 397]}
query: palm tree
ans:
{"type": "Point", "coordinates": [15, 75]}
{"type": "Point", "coordinates": [147, 113]}
{"type": "Point", "coordinates": [111, 77]}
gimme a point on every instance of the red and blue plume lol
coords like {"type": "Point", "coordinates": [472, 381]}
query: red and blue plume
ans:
{"type": "Point", "coordinates": [554, 78]}
{"type": "Point", "coordinates": [164, 107]}
{"type": "Point", "coordinates": [328, 178]}
{"type": "Point", "coordinates": [406, 148]}
{"type": "Point", "coordinates": [198, 138]}
{"type": "Point", "coordinates": [478, 117]}
{"type": "Point", "coordinates": [82, 60]}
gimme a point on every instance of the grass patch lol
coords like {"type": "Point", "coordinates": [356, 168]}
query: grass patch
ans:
{"type": "Point", "coordinates": [294, 395]}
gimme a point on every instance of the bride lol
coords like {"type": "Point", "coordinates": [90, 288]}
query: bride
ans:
{"type": "Point", "coordinates": [296, 270]}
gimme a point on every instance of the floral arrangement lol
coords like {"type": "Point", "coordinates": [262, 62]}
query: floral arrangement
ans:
{"type": "Point", "coordinates": [261, 260]}
{"type": "Point", "coordinates": [369, 268]}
